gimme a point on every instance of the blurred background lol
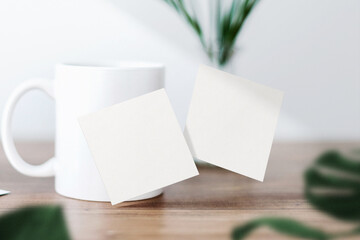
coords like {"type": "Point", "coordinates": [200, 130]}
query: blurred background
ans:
{"type": "Point", "coordinates": [309, 49]}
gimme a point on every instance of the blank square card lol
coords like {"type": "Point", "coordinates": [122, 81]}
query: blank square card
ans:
{"type": "Point", "coordinates": [231, 122]}
{"type": "Point", "coordinates": [138, 146]}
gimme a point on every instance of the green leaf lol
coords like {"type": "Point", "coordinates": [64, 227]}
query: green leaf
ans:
{"type": "Point", "coordinates": [34, 223]}
{"type": "Point", "coordinates": [335, 160]}
{"type": "Point", "coordinates": [332, 185]}
{"type": "Point", "coordinates": [281, 225]}
{"type": "Point", "coordinates": [335, 192]}
{"type": "Point", "coordinates": [182, 9]}
{"type": "Point", "coordinates": [289, 227]}
{"type": "Point", "coordinates": [228, 26]}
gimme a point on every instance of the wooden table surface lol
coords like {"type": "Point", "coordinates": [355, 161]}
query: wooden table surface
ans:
{"type": "Point", "coordinates": [204, 207]}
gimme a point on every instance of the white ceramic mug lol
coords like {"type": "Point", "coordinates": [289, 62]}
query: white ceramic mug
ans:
{"type": "Point", "coordinates": [78, 90]}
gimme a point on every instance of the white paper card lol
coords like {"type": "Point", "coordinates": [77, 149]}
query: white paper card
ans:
{"type": "Point", "coordinates": [138, 146]}
{"type": "Point", "coordinates": [231, 122]}
{"type": "Point", "coordinates": [4, 192]}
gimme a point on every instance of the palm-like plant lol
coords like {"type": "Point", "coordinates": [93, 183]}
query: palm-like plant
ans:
{"type": "Point", "coordinates": [228, 24]}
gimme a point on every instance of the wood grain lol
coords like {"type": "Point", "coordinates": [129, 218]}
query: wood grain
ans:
{"type": "Point", "coordinates": [204, 207]}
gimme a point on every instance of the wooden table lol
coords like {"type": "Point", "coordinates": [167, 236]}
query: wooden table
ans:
{"type": "Point", "coordinates": [204, 207]}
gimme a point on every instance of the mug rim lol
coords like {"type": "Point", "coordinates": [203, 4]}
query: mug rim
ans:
{"type": "Point", "coordinates": [116, 65]}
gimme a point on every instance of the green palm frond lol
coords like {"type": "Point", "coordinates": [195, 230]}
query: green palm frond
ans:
{"type": "Point", "coordinates": [228, 26]}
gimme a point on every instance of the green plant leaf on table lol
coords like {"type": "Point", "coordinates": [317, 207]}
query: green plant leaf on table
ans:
{"type": "Point", "coordinates": [332, 185]}
{"type": "Point", "coordinates": [289, 227]}
{"type": "Point", "coordinates": [34, 223]}
{"type": "Point", "coordinates": [339, 178]}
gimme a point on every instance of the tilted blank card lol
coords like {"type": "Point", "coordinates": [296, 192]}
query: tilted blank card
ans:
{"type": "Point", "coordinates": [231, 122]}
{"type": "Point", "coordinates": [138, 146]}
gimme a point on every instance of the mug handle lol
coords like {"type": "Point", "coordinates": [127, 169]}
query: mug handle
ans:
{"type": "Point", "coordinates": [44, 170]}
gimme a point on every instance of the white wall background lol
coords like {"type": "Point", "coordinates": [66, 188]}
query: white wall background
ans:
{"type": "Point", "coordinates": [309, 49]}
